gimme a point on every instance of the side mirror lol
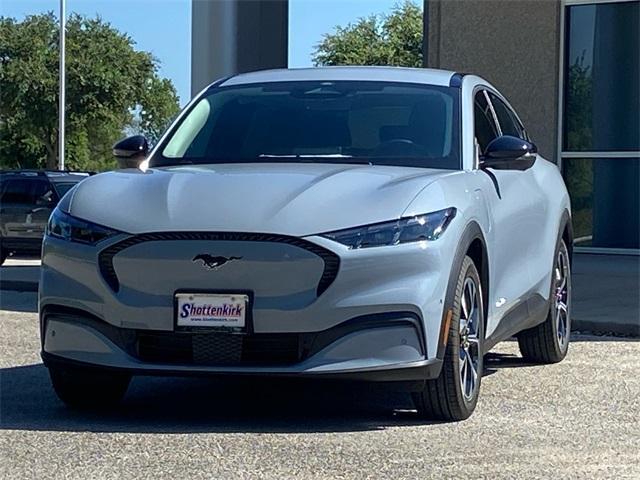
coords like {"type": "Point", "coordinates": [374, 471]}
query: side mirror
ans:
{"type": "Point", "coordinates": [508, 153]}
{"type": "Point", "coordinates": [131, 151]}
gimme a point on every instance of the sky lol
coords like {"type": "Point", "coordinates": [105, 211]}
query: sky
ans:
{"type": "Point", "coordinates": [163, 27]}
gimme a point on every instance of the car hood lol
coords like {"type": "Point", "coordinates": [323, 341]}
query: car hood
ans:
{"type": "Point", "coordinates": [288, 199]}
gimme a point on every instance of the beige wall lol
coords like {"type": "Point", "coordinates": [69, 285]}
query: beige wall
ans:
{"type": "Point", "coordinates": [234, 36]}
{"type": "Point", "coordinates": [514, 44]}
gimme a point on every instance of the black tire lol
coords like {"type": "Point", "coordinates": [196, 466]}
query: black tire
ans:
{"type": "Point", "coordinates": [86, 388]}
{"type": "Point", "coordinates": [444, 398]}
{"type": "Point", "coordinates": [3, 254]}
{"type": "Point", "coordinates": [547, 342]}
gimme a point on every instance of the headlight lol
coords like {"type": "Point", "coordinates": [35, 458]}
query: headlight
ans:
{"type": "Point", "coordinates": [63, 225]}
{"type": "Point", "coordinates": [410, 229]}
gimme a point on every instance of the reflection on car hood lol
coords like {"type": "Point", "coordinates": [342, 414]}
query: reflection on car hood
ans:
{"type": "Point", "coordinates": [284, 198]}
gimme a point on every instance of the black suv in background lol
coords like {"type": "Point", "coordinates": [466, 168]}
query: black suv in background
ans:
{"type": "Point", "coordinates": [27, 198]}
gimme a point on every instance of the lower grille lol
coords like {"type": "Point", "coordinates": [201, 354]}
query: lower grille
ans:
{"type": "Point", "coordinates": [216, 349]}
{"type": "Point", "coordinates": [220, 348]}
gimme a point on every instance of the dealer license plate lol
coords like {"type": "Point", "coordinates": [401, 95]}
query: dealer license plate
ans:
{"type": "Point", "coordinates": [228, 311]}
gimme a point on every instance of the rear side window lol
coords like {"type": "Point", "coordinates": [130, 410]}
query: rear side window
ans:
{"type": "Point", "coordinates": [485, 127]}
{"type": "Point", "coordinates": [509, 122]}
{"type": "Point", "coordinates": [17, 191]}
{"type": "Point", "coordinates": [43, 193]}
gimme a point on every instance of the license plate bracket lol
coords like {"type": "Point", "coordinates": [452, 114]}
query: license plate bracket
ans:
{"type": "Point", "coordinates": [212, 311]}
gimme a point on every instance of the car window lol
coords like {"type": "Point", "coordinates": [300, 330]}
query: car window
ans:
{"type": "Point", "coordinates": [509, 123]}
{"type": "Point", "coordinates": [63, 188]}
{"type": "Point", "coordinates": [43, 193]}
{"type": "Point", "coordinates": [27, 192]}
{"type": "Point", "coordinates": [330, 121]}
{"type": "Point", "coordinates": [485, 127]}
{"type": "Point", "coordinates": [17, 191]}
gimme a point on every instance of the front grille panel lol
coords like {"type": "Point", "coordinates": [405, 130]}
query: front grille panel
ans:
{"type": "Point", "coordinates": [220, 348]}
{"type": "Point", "coordinates": [330, 259]}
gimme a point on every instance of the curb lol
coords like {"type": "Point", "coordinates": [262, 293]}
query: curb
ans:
{"type": "Point", "coordinates": [606, 328]}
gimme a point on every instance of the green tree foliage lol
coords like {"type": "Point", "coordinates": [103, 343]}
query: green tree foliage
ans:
{"type": "Point", "coordinates": [579, 105]}
{"type": "Point", "coordinates": [111, 88]}
{"type": "Point", "coordinates": [393, 39]}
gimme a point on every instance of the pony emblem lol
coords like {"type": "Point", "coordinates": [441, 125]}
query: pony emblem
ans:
{"type": "Point", "coordinates": [212, 263]}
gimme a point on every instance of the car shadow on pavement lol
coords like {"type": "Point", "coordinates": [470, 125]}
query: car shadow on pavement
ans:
{"type": "Point", "coordinates": [494, 361]}
{"type": "Point", "coordinates": [200, 405]}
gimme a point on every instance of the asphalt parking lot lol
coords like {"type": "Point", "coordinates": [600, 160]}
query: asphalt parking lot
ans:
{"type": "Point", "coordinates": [578, 419]}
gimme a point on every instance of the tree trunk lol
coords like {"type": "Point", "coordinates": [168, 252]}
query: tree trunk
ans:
{"type": "Point", "coordinates": [52, 156]}
{"type": "Point", "coordinates": [52, 161]}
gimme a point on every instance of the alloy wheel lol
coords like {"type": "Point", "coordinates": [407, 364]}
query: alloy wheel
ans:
{"type": "Point", "coordinates": [469, 338]}
{"type": "Point", "coordinates": [561, 298]}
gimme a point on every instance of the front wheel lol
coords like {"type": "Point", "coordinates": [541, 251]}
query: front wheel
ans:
{"type": "Point", "coordinates": [87, 388]}
{"type": "Point", "coordinates": [454, 394]}
{"type": "Point", "coordinates": [549, 341]}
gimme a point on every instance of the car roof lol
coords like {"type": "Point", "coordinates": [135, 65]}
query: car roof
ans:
{"type": "Point", "coordinates": [427, 76]}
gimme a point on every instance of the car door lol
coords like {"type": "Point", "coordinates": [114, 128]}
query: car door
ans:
{"type": "Point", "coordinates": [516, 209]}
{"type": "Point", "coordinates": [45, 199]}
{"type": "Point", "coordinates": [26, 204]}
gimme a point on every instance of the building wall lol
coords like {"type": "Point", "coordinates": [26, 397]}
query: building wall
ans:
{"type": "Point", "coordinates": [514, 44]}
{"type": "Point", "coordinates": [235, 36]}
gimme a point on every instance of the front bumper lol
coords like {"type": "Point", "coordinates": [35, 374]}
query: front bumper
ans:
{"type": "Point", "coordinates": [378, 319]}
{"type": "Point", "coordinates": [378, 348]}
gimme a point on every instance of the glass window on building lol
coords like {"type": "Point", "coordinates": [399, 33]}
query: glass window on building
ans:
{"type": "Point", "coordinates": [601, 122]}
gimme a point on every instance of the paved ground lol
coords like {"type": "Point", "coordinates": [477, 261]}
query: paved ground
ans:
{"type": "Point", "coordinates": [578, 419]}
{"type": "Point", "coordinates": [606, 293]}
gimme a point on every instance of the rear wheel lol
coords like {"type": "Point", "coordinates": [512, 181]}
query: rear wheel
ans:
{"type": "Point", "coordinates": [88, 388]}
{"type": "Point", "coordinates": [549, 341]}
{"type": "Point", "coordinates": [454, 394]}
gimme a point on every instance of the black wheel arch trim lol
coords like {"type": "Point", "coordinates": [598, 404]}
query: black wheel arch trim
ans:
{"type": "Point", "coordinates": [471, 233]}
{"type": "Point", "coordinates": [566, 225]}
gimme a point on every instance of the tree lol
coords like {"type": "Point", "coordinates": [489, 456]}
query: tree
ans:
{"type": "Point", "coordinates": [111, 88]}
{"type": "Point", "coordinates": [394, 39]}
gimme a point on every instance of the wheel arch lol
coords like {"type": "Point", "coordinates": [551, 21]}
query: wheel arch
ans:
{"type": "Point", "coordinates": [566, 232]}
{"type": "Point", "coordinates": [472, 243]}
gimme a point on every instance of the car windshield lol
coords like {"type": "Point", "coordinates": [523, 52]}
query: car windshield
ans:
{"type": "Point", "coordinates": [379, 123]}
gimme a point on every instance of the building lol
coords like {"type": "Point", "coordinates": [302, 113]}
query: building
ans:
{"type": "Point", "coordinates": [571, 68]}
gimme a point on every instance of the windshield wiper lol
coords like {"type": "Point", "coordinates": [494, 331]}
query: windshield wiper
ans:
{"type": "Point", "coordinates": [323, 157]}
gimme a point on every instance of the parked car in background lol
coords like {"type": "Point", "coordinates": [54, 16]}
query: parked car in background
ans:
{"type": "Point", "coordinates": [27, 198]}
